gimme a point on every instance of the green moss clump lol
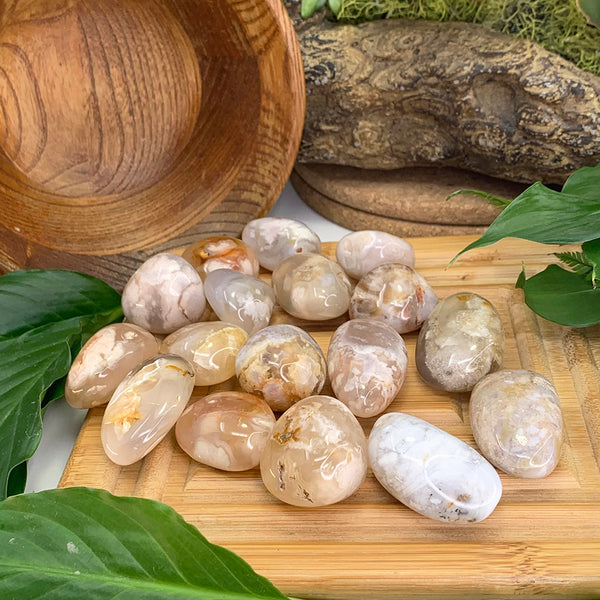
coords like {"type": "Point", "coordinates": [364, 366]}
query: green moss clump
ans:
{"type": "Point", "coordinates": [557, 25]}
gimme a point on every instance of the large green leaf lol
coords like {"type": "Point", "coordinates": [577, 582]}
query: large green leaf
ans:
{"type": "Point", "coordinates": [45, 318]}
{"type": "Point", "coordinates": [591, 11]}
{"type": "Point", "coordinates": [80, 543]}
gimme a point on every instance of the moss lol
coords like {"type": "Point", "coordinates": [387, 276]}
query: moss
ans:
{"type": "Point", "coordinates": [557, 25]}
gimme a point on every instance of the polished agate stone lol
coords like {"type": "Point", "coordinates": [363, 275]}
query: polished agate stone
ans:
{"type": "Point", "coordinates": [211, 347]}
{"type": "Point", "coordinates": [461, 341]}
{"type": "Point", "coordinates": [164, 294]}
{"type": "Point", "coordinates": [145, 406]}
{"type": "Point", "coordinates": [240, 299]}
{"type": "Point", "coordinates": [275, 238]}
{"type": "Point", "coordinates": [104, 361]}
{"type": "Point", "coordinates": [221, 252]}
{"type": "Point", "coordinates": [316, 454]}
{"type": "Point", "coordinates": [431, 471]}
{"type": "Point", "coordinates": [361, 251]}
{"type": "Point", "coordinates": [395, 294]}
{"type": "Point", "coordinates": [517, 422]}
{"type": "Point", "coordinates": [311, 286]}
{"type": "Point", "coordinates": [226, 430]}
{"type": "Point", "coordinates": [282, 364]}
{"type": "Point", "coordinates": [366, 362]}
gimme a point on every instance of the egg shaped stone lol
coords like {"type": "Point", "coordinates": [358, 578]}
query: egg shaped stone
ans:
{"type": "Point", "coordinates": [312, 287]}
{"type": "Point", "coordinates": [359, 252]}
{"type": "Point", "coordinates": [393, 293]}
{"type": "Point", "coordinates": [145, 406]}
{"type": "Point", "coordinates": [281, 363]}
{"type": "Point", "coordinates": [366, 362]}
{"type": "Point", "coordinates": [432, 472]}
{"type": "Point", "coordinates": [104, 361]}
{"type": "Point", "coordinates": [164, 294]}
{"type": "Point", "coordinates": [461, 341]}
{"type": "Point", "coordinates": [226, 430]}
{"type": "Point", "coordinates": [517, 422]}
{"type": "Point", "coordinates": [211, 348]}
{"type": "Point", "coordinates": [316, 454]}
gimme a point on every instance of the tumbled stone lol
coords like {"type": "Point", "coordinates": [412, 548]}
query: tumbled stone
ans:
{"type": "Point", "coordinates": [393, 293]}
{"type": "Point", "coordinates": [517, 422]}
{"type": "Point", "coordinates": [276, 238]}
{"type": "Point", "coordinates": [240, 299]}
{"type": "Point", "coordinates": [226, 430]}
{"type": "Point", "coordinates": [164, 294]}
{"type": "Point", "coordinates": [432, 472]}
{"type": "Point", "coordinates": [359, 252]}
{"type": "Point", "coordinates": [316, 454]}
{"type": "Point", "coordinates": [104, 361]}
{"type": "Point", "coordinates": [283, 364]}
{"type": "Point", "coordinates": [461, 341]}
{"type": "Point", "coordinates": [311, 286]}
{"type": "Point", "coordinates": [211, 347]}
{"type": "Point", "coordinates": [366, 362]}
{"type": "Point", "coordinates": [221, 252]}
{"type": "Point", "coordinates": [145, 406]}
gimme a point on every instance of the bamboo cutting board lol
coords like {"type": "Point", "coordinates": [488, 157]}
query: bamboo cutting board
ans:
{"type": "Point", "coordinates": [543, 539]}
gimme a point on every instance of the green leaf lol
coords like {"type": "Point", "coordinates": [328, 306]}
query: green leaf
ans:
{"type": "Point", "coordinates": [79, 543]}
{"type": "Point", "coordinates": [45, 318]}
{"type": "Point", "coordinates": [308, 7]}
{"type": "Point", "coordinates": [491, 198]}
{"type": "Point", "coordinates": [591, 11]}
{"type": "Point", "coordinates": [563, 297]}
{"type": "Point", "coordinates": [576, 262]}
{"type": "Point", "coordinates": [591, 252]}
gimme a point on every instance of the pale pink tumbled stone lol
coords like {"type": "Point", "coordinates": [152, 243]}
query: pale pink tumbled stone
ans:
{"type": "Point", "coordinates": [359, 252]}
{"type": "Point", "coordinates": [366, 362]}
{"type": "Point", "coordinates": [164, 294]}
{"type": "Point", "coordinates": [211, 347]}
{"type": "Point", "coordinates": [316, 455]}
{"type": "Point", "coordinates": [226, 430]}
{"type": "Point", "coordinates": [104, 361]}
{"type": "Point", "coordinates": [145, 406]}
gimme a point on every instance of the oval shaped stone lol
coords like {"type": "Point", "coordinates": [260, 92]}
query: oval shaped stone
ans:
{"type": "Point", "coordinates": [210, 347]}
{"type": "Point", "coordinates": [366, 362]}
{"type": "Point", "coordinates": [312, 287]}
{"type": "Point", "coordinates": [395, 294]}
{"type": "Point", "coordinates": [281, 363]}
{"type": "Point", "coordinates": [432, 472]}
{"type": "Point", "coordinates": [104, 361]}
{"type": "Point", "coordinates": [145, 406]}
{"type": "Point", "coordinates": [359, 252]}
{"type": "Point", "coordinates": [240, 299]}
{"type": "Point", "coordinates": [316, 454]}
{"type": "Point", "coordinates": [226, 430]}
{"type": "Point", "coordinates": [517, 422]}
{"type": "Point", "coordinates": [461, 341]}
{"type": "Point", "coordinates": [164, 294]}
{"type": "Point", "coordinates": [276, 238]}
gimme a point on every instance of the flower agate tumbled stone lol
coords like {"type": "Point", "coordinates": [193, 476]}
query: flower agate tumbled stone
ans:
{"type": "Point", "coordinates": [517, 422]}
{"type": "Point", "coordinates": [164, 294]}
{"type": "Point", "coordinates": [461, 341]}
{"type": "Point", "coordinates": [104, 361]}
{"type": "Point", "coordinates": [281, 363]}
{"type": "Point", "coordinates": [145, 406]}
{"type": "Point", "coordinates": [431, 471]}
{"type": "Point", "coordinates": [395, 294]}
{"type": "Point", "coordinates": [275, 238]}
{"type": "Point", "coordinates": [226, 430]}
{"type": "Point", "coordinates": [316, 455]}
{"type": "Point", "coordinates": [221, 252]}
{"type": "Point", "coordinates": [311, 286]}
{"type": "Point", "coordinates": [211, 348]}
{"type": "Point", "coordinates": [366, 362]}
{"type": "Point", "coordinates": [241, 299]}
{"type": "Point", "coordinates": [361, 251]}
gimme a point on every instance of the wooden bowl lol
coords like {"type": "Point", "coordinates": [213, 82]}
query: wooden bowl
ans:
{"type": "Point", "coordinates": [132, 126]}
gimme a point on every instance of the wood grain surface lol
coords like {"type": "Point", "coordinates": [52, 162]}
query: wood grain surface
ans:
{"type": "Point", "coordinates": [543, 539]}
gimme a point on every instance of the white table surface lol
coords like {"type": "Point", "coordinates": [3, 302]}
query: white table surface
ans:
{"type": "Point", "coordinates": [62, 423]}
